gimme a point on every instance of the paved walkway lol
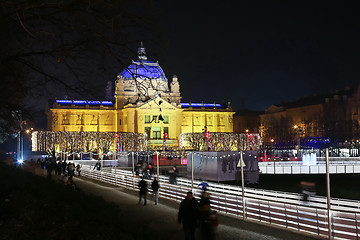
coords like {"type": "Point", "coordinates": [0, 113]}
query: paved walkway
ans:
{"type": "Point", "coordinates": [161, 220]}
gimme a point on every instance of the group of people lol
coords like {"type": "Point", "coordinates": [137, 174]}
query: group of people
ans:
{"type": "Point", "coordinates": [59, 167]}
{"type": "Point", "coordinates": [144, 170]}
{"type": "Point", "coordinates": [193, 214]}
{"type": "Point", "coordinates": [67, 169]}
{"type": "Point", "coordinates": [143, 187]}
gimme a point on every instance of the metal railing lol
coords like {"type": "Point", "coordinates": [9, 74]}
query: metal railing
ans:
{"type": "Point", "coordinates": [335, 167]}
{"type": "Point", "coordinates": [281, 209]}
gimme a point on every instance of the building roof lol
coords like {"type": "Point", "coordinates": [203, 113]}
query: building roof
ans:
{"type": "Point", "coordinates": [248, 112]}
{"type": "Point", "coordinates": [317, 99]}
{"type": "Point", "coordinates": [143, 69]}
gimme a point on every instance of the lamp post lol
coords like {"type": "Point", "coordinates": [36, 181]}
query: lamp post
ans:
{"type": "Point", "coordinates": [20, 141]}
{"type": "Point", "coordinates": [297, 141]}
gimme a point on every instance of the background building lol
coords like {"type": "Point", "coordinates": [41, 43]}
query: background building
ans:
{"type": "Point", "coordinates": [331, 116]}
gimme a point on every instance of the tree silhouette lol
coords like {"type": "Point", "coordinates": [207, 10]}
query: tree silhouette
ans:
{"type": "Point", "coordinates": [64, 46]}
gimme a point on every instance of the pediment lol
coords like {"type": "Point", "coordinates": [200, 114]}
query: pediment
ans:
{"type": "Point", "coordinates": [158, 103]}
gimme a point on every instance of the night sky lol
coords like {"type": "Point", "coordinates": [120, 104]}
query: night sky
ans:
{"type": "Point", "coordinates": [257, 53]}
{"type": "Point", "coordinates": [252, 54]}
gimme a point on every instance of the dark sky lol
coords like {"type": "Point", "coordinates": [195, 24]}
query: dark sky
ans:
{"type": "Point", "coordinates": [258, 53]}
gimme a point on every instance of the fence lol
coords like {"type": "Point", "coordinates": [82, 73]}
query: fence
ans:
{"type": "Point", "coordinates": [281, 209]}
{"type": "Point", "coordinates": [292, 167]}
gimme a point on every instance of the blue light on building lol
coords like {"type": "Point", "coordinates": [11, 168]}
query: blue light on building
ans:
{"type": "Point", "coordinates": [79, 102]}
{"type": "Point", "coordinates": [94, 102]}
{"type": "Point", "coordinates": [143, 70]}
{"type": "Point", "coordinates": [200, 105]}
{"type": "Point", "coordinates": [84, 102]}
{"type": "Point", "coordinates": [64, 102]}
{"type": "Point", "coordinates": [107, 103]}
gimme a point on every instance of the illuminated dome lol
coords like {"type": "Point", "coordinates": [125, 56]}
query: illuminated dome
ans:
{"type": "Point", "coordinates": [143, 69]}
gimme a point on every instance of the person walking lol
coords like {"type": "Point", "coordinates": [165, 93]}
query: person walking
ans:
{"type": "Point", "coordinates": [155, 187]}
{"type": "Point", "coordinates": [59, 167]}
{"type": "Point", "coordinates": [205, 218]}
{"type": "Point", "coordinates": [71, 170]}
{"type": "Point", "coordinates": [63, 167]}
{"type": "Point", "coordinates": [78, 169]}
{"type": "Point", "coordinates": [143, 190]}
{"type": "Point", "coordinates": [187, 216]}
{"type": "Point", "coordinates": [173, 174]}
{"type": "Point", "coordinates": [98, 165]}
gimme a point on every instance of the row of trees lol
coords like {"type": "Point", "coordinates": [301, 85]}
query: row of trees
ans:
{"type": "Point", "coordinates": [99, 142]}
{"type": "Point", "coordinates": [219, 141]}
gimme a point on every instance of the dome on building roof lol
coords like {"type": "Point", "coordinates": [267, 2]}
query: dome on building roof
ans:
{"type": "Point", "coordinates": [143, 69]}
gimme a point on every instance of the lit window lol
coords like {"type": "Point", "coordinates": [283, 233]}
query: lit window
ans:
{"type": "Point", "coordinates": [156, 133]}
{"type": "Point", "coordinates": [166, 119]}
{"type": "Point", "coordinates": [166, 130]}
{"type": "Point", "coordinates": [147, 118]}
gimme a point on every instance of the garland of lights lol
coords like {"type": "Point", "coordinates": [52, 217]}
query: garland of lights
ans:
{"type": "Point", "coordinates": [219, 141]}
{"type": "Point", "coordinates": [98, 142]}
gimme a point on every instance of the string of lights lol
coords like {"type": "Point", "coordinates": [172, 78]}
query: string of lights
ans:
{"type": "Point", "coordinates": [97, 142]}
{"type": "Point", "coordinates": [219, 141]}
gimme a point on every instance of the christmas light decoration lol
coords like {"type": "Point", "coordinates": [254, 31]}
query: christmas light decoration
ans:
{"type": "Point", "coordinates": [98, 142]}
{"type": "Point", "coordinates": [220, 141]}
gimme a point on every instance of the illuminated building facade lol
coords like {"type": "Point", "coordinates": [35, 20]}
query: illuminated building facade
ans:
{"type": "Point", "coordinates": [145, 102]}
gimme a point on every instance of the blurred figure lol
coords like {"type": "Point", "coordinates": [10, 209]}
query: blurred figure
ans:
{"type": "Point", "coordinates": [49, 167]}
{"type": "Point", "coordinates": [143, 190]}
{"type": "Point", "coordinates": [138, 170]}
{"type": "Point", "coordinates": [208, 220]}
{"type": "Point", "coordinates": [187, 216]}
{"type": "Point", "coordinates": [63, 167]}
{"type": "Point", "coordinates": [147, 174]}
{"type": "Point", "coordinates": [71, 170]}
{"type": "Point", "coordinates": [151, 169]}
{"type": "Point", "coordinates": [98, 165]}
{"type": "Point", "coordinates": [155, 187]}
{"type": "Point", "coordinates": [78, 169]}
{"type": "Point", "coordinates": [203, 185]}
{"type": "Point", "coordinates": [173, 173]}
{"type": "Point", "coordinates": [58, 166]}
{"type": "Point", "coordinates": [65, 179]}
{"type": "Point", "coordinates": [308, 189]}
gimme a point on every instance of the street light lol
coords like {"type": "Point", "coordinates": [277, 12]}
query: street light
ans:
{"type": "Point", "coordinates": [298, 129]}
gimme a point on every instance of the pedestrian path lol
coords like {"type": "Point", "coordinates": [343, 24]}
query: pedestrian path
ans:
{"type": "Point", "coordinates": [161, 220]}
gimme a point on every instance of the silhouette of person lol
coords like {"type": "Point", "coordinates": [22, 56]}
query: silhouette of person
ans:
{"type": "Point", "coordinates": [187, 216]}
{"type": "Point", "coordinates": [143, 190]}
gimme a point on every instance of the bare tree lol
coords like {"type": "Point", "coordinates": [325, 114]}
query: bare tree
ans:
{"type": "Point", "coordinates": [65, 46]}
